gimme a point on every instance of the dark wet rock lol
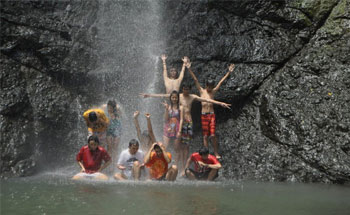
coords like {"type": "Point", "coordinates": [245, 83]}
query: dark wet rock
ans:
{"type": "Point", "coordinates": [290, 91]}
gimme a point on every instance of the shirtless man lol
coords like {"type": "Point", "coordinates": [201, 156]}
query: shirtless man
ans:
{"type": "Point", "coordinates": [186, 100]}
{"type": "Point", "coordinates": [208, 115]}
{"type": "Point", "coordinates": [173, 82]}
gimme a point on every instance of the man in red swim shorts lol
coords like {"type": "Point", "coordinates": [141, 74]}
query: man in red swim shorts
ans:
{"type": "Point", "coordinates": [208, 115]}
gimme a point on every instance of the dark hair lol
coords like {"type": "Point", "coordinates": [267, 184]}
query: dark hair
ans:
{"type": "Point", "coordinates": [203, 151]}
{"type": "Point", "coordinates": [156, 146]}
{"type": "Point", "coordinates": [178, 99]}
{"type": "Point", "coordinates": [133, 142]}
{"type": "Point", "coordinates": [186, 85]}
{"type": "Point", "coordinates": [94, 138]}
{"type": "Point", "coordinates": [92, 116]}
{"type": "Point", "coordinates": [113, 104]}
{"type": "Point", "coordinates": [210, 83]}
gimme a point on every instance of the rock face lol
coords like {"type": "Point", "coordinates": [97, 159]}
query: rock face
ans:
{"type": "Point", "coordinates": [290, 118]}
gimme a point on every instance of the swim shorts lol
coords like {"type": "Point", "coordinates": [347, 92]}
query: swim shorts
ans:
{"type": "Point", "coordinates": [201, 175]}
{"type": "Point", "coordinates": [208, 123]}
{"type": "Point", "coordinates": [187, 132]}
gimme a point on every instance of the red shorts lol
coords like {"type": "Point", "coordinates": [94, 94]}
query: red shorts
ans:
{"type": "Point", "coordinates": [208, 124]}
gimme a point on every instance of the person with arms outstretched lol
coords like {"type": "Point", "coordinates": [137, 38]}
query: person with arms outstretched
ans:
{"type": "Point", "coordinates": [208, 115]}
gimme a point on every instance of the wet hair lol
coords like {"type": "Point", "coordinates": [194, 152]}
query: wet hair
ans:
{"type": "Point", "coordinates": [203, 151]}
{"type": "Point", "coordinates": [178, 99]}
{"type": "Point", "coordinates": [113, 104]}
{"type": "Point", "coordinates": [92, 116]}
{"type": "Point", "coordinates": [133, 142]}
{"type": "Point", "coordinates": [186, 85]}
{"type": "Point", "coordinates": [94, 138]}
{"type": "Point", "coordinates": [210, 83]}
{"type": "Point", "coordinates": [156, 146]}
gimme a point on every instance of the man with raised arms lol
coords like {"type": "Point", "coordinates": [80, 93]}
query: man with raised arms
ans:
{"type": "Point", "coordinates": [208, 115]}
{"type": "Point", "coordinates": [172, 82]}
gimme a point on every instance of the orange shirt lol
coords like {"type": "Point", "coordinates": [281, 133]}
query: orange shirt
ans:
{"type": "Point", "coordinates": [99, 127]}
{"type": "Point", "coordinates": [158, 166]}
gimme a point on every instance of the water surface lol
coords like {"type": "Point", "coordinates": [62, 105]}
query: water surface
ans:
{"type": "Point", "coordinates": [57, 194]}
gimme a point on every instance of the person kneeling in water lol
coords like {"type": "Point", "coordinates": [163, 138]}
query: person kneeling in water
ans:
{"type": "Point", "coordinates": [90, 159]}
{"type": "Point", "coordinates": [157, 160]}
{"type": "Point", "coordinates": [206, 166]}
{"type": "Point", "coordinates": [130, 162]}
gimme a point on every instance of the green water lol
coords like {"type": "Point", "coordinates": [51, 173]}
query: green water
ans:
{"type": "Point", "coordinates": [60, 195]}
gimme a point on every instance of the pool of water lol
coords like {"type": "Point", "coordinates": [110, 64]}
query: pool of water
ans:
{"type": "Point", "coordinates": [58, 194]}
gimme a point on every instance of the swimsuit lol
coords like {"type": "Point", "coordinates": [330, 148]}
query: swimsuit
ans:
{"type": "Point", "coordinates": [115, 127]}
{"type": "Point", "coordinates": [171, 128]}
{"type": "Point", "coordinates": [208, 123]}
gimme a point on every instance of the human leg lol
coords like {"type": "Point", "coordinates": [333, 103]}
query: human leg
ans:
{"type": "Point", "coordinates": [166, 141]}
{"type": "Point", "coordinates": [120, 177]}
{"type": "Point", "coordinates": [172, 173]}
{"type": "Point", "coordinates": [136, 170]}
{"type": "Point", "coordinates": [190, 174]}
{"type": "Point", "coordinates": [213, 174]}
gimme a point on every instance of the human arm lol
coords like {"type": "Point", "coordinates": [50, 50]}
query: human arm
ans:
{"type": "Point", "coordinates": [230, 70]}
{"type": "Point", "coordinates": [148, 154]}
{"type": "Point", "coordinates": [225, 105]}
{"type": "Point", "coordinates": [165, 72]}
{"type": "Point", "coordinates": [105, 165]}
{"type": "Point", "coordinates": [165, 153]}
{"type": "Point", "coordinates": [198, 86]}
{"type": "Point", "coordinates": [137, 125]}
{"type": "Point", "coordinates": [166, 111]}
{"type": "Point", "coordinates": [182, 73]}
{"type": "Point", "coordinates": [211, 166]}
{"type": "Point", "coordinates": [82, 166]}
{"type": "Point", "coordinates": [188, 162]}
{"type": "Point", "coordinates": [147, 95]}
{"type": "Point", "coordinates": [149, 127]}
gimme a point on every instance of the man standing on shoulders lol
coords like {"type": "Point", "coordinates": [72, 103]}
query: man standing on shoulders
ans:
{"type": "Point", "coordinates": [130, 162]}
{"type": "Point", "coordinates": [208, 116]}
{"type": "Point", "coordinates": [157, 160]}
{"type": "Point", "coordinates": [90, 159]}
{"type": "Point", "coordinates": [206, 166]}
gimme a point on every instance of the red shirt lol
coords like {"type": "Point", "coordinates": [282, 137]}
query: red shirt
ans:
{"type": "Point", "coordinates": [92, 159]}
{"type": "Point", "coordinates": [195, 157]}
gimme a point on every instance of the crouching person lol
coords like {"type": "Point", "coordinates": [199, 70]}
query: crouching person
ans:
{"type": "Point", "coordinates": [206, 166]}
{"type": "Point", "coordinates": [90, 160]}
{"type": "Point", "coordinates": [157, 160]}
{"type": "Point", "coordinates": [130, 162]}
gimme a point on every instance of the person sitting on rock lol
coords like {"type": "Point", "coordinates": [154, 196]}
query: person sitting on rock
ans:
{"type": "Point", "coordinates": [147, 137]}
{"type": "Point", "coordinates": [97, 123]}
{"type": "Point", "coordinates": [130, 162]}
{"type": "Point", "coordinates": [157, 160]}
{"type": "Point", "coordinates": [206, 166]}
{"type": "Point", "coordinates": [90, 159]}
{"type": "Point", "coordinates": [172, 82]}
{"type": "Point", "coordinates": [208, 115]}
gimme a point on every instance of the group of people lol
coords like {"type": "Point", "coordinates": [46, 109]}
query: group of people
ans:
{"type": "Point", "coordinates": [177, 133]}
